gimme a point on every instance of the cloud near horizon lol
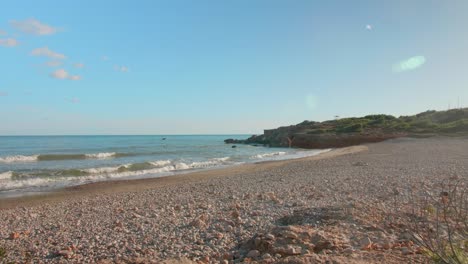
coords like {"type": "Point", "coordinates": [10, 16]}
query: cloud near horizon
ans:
{"type": "Point", "coordinates": [45, 51]}
{"type": "Point", "coordinates": [33, 26]}
{"type": "Point", "coordinates": [63, 74]}
{"type": "Point", "coordinates": [3, 94]}
{"type": "Point", "coordinates": [9, 42]}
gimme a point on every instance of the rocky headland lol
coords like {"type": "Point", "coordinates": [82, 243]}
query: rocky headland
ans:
{"type": "Point", "coordinates": [343, 132]}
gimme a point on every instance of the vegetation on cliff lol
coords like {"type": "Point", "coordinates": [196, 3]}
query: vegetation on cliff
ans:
{"type": "Point", "coordinates": [355, 130]}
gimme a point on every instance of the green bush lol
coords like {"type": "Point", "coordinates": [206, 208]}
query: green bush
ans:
{"type": "Point", "coordinates": [353, 128]}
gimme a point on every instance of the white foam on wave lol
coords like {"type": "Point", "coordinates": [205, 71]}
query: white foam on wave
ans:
{"type": "Point", "coordinates": [160, 163]}
{"type": "Point", "coordinates": [31, 182]}
{"type": "Point", "coordinates": [6, 175]}
{"type": "Point", "coordinates": [101, 170]}
{"type": "Point", "coordinates": [18, 158]}
{"type": "Point", "coordinates": [268, 155]}
{"type": "Point", "coordinates": [104, 155]}
{"type": "Point", "coordinates": [162, 167]}
{"type": "Point", "coordinates": [208, 163]}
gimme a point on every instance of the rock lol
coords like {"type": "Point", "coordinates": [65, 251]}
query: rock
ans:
{"type": "Point", "coordinates": [360, 164]}
{"type": "Point", "coordinates": [266, 256]}
{"type": "Point", "coordinates": [292, 250]}
{"type": "Point", "coordinates": [289, 234]}
{"type": "Point", "coordinates": [289, 250]}
{"type": "Point", "coordinates": [253, 254]}
{"type": "Point", "coordinates": [406, 251]}
{"type": "Point", "coordinates": [235, 214]}
{"type": "Point", "coordinates": [14, 235]}
{"type": "Point", "coordinates": [65, 253]}
{"type": "Point", "coordinates": [323, 245]}
{"type": "Point", "coordinates": [365, 243]}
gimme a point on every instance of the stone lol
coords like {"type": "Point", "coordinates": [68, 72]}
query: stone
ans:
{"type": "Point", "coordinates": [289, 234]}
{"type": "Point", "coordinates": [65, 253]}
{"type": "Point", "coordinates": [365, 243]}
{"type": "Point", "coordinates": [14, 235]}
{"type": "Point", "coordinates": [406, 251]}
{"type": "Point", "coordinates": [253, 254]}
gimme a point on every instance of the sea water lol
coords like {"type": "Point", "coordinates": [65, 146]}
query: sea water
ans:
{"type": "Point", "coordinates": [43, 163]}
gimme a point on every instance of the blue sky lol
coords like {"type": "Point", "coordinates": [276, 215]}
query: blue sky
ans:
{"type": "Point", "coordinates": [209, 67]}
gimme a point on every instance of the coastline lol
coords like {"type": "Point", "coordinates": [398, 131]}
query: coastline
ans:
{"type": "Point", "coordinates": [135, 185]}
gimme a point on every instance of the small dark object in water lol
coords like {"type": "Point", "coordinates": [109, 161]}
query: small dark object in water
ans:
{"type": "Point", "coordinates": [163, 138]}
{"type": "Point", "coordinates": [234, 146]}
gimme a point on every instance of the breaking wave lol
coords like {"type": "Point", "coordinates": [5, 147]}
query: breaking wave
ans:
{"type": "Point", "coordinates": [268, 155]}
{"type": "Point", "coordinates": [18, 158]}
{"type": "Point", "coordinates": [6, 175]}
{"type": "Point", "coordinates": [51, 157]}
{"type": "Point", "coordinates": [77, 176]}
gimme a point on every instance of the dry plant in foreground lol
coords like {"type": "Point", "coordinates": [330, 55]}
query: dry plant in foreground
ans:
{"type": "Point", "coordinates": [439, 221]}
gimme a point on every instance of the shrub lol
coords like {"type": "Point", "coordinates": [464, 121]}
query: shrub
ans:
{"type": "Point", "coordinates": [357, 127]}
{"type": "Point", "coordinates": [440, 222]}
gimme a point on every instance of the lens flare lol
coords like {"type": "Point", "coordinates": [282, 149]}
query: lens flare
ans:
{"type": "Point", "coordinates": [410, 64]}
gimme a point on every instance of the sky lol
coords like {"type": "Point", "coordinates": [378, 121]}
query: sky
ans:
{"type": "Point", "coordinates": [224, 67]}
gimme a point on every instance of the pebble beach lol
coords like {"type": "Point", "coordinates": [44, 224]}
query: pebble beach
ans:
{"type": "Point", "coordinates": [332, 208]}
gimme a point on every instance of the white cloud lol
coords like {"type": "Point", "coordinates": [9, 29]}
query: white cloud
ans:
{"type": "Point", "coordinates": [3, 94]}
{"type": "Point", "coordinates": [121, 68]}
{"type": "Point", "coordinates": [369, 27]}
{"type": "Point", "coordinates": [9, 42]}
{"type": "Point", "coordinates": [63, 74]}
{"type": "Point", "coordinates": [45, 51]}
{"type": "Point", "coordinates": [2, 32]}
{"type": "Point", "coordinates": [54, 63]}
{"type": "Point", "coordinates": [79, 65]}
{"type": "Point", "coordinates": [59, 74]}
{"type": "Point", "coordinates": [74, 77]}
{"type": "Point", "coordinates": [33, 26]}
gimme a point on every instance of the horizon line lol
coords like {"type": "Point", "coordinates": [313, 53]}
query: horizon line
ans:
{"type": "Point", "coordinates": [79, 135]}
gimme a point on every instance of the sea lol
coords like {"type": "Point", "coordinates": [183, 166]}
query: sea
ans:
{"type": "Point", "coordinates": [35, 164]}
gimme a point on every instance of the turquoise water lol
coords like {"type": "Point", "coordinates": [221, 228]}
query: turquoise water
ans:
{"type": "Point", "coordinates": [42, 163]}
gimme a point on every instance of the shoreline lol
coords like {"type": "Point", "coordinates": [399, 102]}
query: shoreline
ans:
{"type": "Point", "coordinates": [348, 205]}
{"type": "Point", "coordinates": [134, 185]}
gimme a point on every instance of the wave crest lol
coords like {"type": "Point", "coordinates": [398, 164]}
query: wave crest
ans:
{"type": "Point", "coordinates": [268, 155]}
{"type": "Point", "coordinates": [104, 155]}
{"type": "Point", "coordinates": [6, 175]}
{"type": "Point", "coordinates": [19, 158]}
